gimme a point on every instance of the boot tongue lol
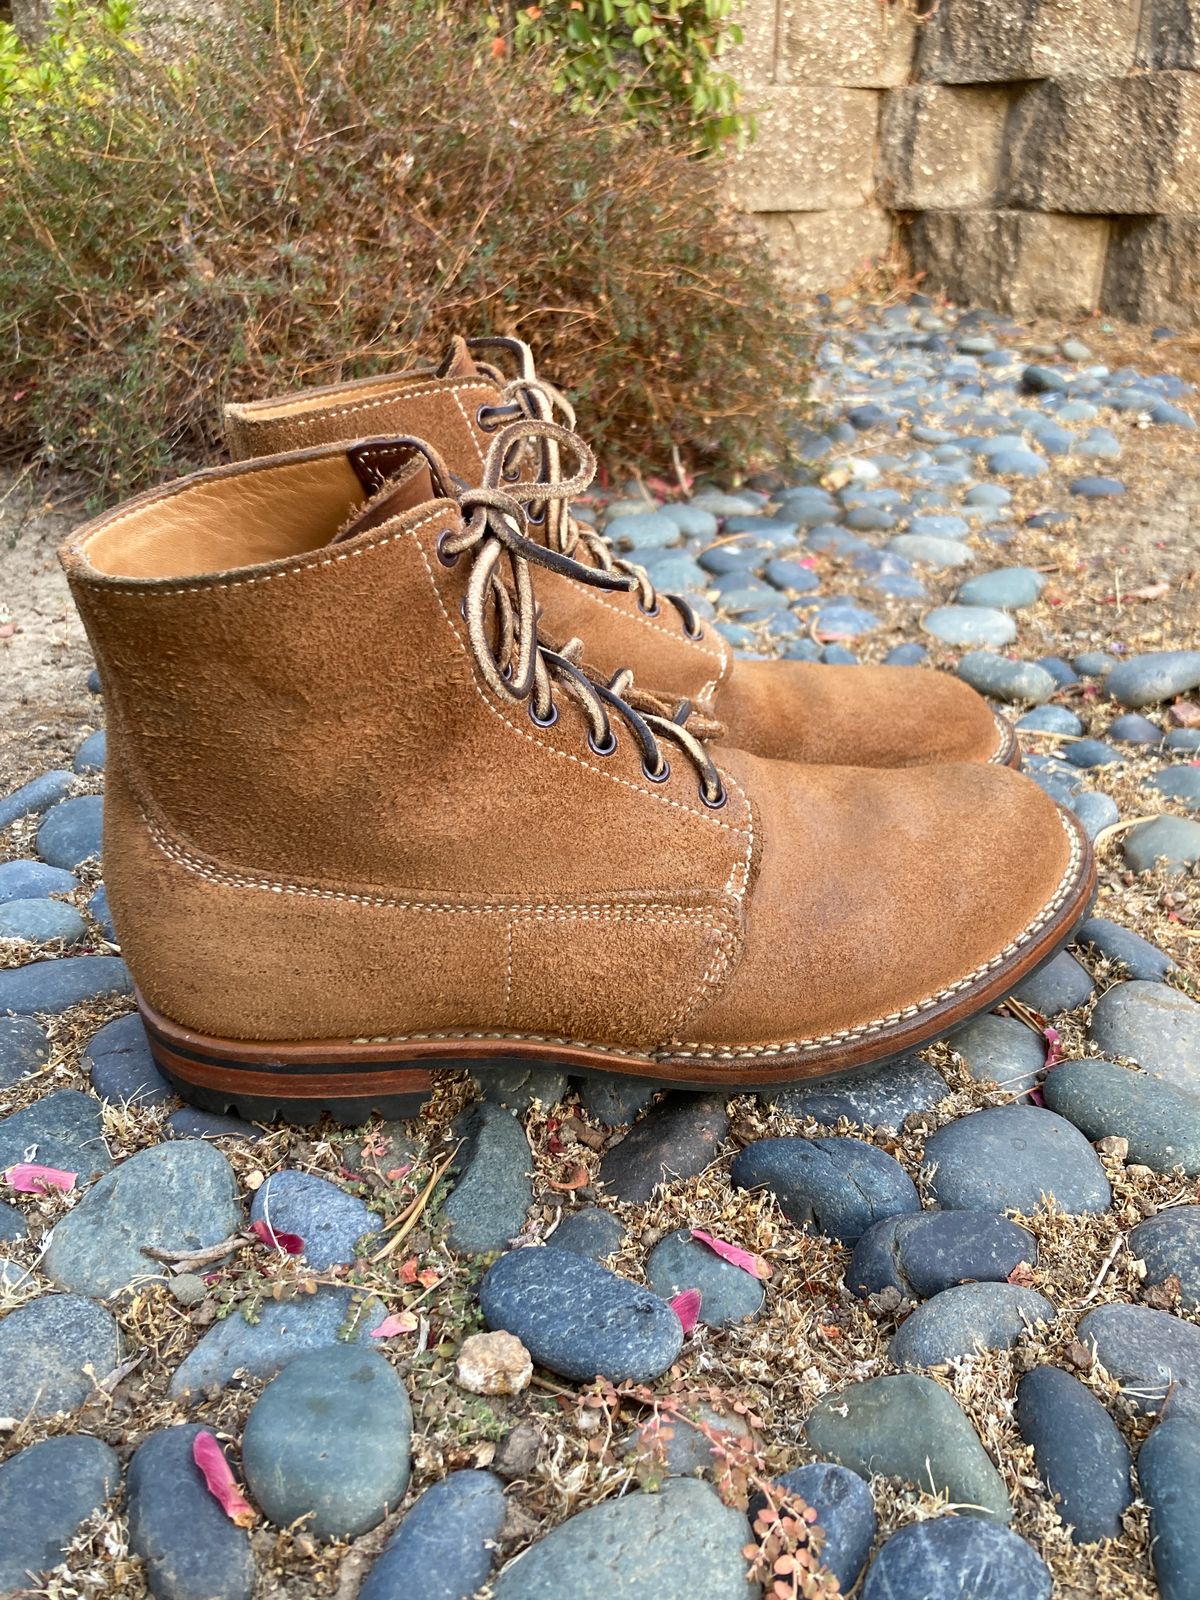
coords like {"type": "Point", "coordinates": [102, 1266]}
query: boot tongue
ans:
{"type": "Point", "coordinates": [399, 476]}
{"type": "Point", "coordinates": [459, 363]}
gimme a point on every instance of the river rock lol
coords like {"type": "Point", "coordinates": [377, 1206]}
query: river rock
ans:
{"type": "Point", "coordinates": [119, 1063]}
{"type": "Point", "coordinates": [1169, 1478]}
{"type": "Point", "coordinates": [677, 1138]}
{"type": "Point", "coordinates": [845, 1514]}
{"type": "Point", "coordinates": [1080, 1452]}
{"type": "Point", "coordinates": [922, 1255]}
{"type": "Point", "coordinates": [69, 833]}
{"type": "Point", "coordinates": [191, 1549]}
{"type": "Point", "coordinates": [1161, 1122]}
{"type": "Point", "coordinates": [1153, 1025]}
{"type": "Point", "coordinates": [64, 1130]}
{"type": "Point", "coordinates": [833, 1186]}
{"type": "Point", "coordinates": [47, 1491]}
{"type": "Point", "coordinates": [56, 985]}
{"type": "Point", "coordinates": [957, 1558]}
{"type": "Point", "coordinates": [909, 1427]}
{"type": "Point", "coordinates": [578, 1319]}
{"type": "Point", "coordinates": [26, 880]}
{"type": "Point", "coordinates": [1000, 1050]}
{"type": "Point", "coordinates": [589, 1232]}
{"type": "Point", "coordinates": [1150, 679]}
{"type": "Point", "coordinates": [24, 1049]}
{"type": "Point", "coordinates": [1169, 843]}
{"type": "Point", "coordinates": [728, 1293]}
{"type": "Point", "coordinates": [492, 1190]}
{"type": "Point", "coordinates": [1061, 985]}
{"type": "Point", "coordinates": [179, 1196]}
{"type": "Point", "coordinates": [1013, 681]}
{"type": "Point", "coordinates": [446, 1544]}
{"type": "Point", "coordinates": [1138, 956]}
{"type": "Point", "coordinates": [53, 1352]}
{"type": "Point", "coordinates": [336, 1227]}
{"type": "Point", "coordinates": [1147, 1352]}
{"type": "Point", "coordinates": [1011, 1158]}
{"type": "Point", "coordinates": [956, 1322]}
{"type": "Point", "coordinates": [874, 1097]}
{"type": "Point", "coordinates": [1169, 1245]}
{"type": "Point", "coordinates": [329, 1440]}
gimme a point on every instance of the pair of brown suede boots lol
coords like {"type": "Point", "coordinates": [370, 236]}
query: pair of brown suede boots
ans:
{"type": "Point", "coordinates": [407, 770]}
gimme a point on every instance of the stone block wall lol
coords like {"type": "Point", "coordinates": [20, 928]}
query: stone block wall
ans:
{"type": "Point", "coordinates": [1035, 155]}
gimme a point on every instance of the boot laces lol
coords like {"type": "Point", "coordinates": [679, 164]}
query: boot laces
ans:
{"type": "Point", "coordinates": [531, 396]}
{"type": "Point", "coordinates": [501, 616]}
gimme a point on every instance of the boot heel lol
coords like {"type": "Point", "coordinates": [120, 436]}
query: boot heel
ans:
{"type": "Point", "coordinates": [258, 1084]}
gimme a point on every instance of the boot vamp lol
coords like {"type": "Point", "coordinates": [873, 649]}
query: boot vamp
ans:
{"type": "Point", "coordinates": [857, 716]}
{"type": "Point", "coordinates": [876, 891]}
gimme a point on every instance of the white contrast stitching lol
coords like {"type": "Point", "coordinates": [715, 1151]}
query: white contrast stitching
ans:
{"type": "Point", "coordinates": [394, 398]}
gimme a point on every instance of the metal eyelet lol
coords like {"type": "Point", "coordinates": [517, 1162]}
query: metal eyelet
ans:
{"type": "Point", "coordinates": [661, 776]}
{"type": "Point", "coordinates": [715, 805]}
{"type": "Point", "coordinates": [536, 517]}
{"type": "Point", "coordinates": [648, 611]}
{"type": "Point", "coordinates": [543, 722]}
{"type": "Point", "coordinates": [451, 559]}
{"type": "Point", "coordinates": [693, 633]}
{"type": "Point", "coordinates": [488, 427]}
{"type": "Point", "coordinates": [603, 749]}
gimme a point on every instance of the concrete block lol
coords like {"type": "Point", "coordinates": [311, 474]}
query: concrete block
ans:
{"type": "Point", "coordinates": [1019, 262]}
{"type": "Point", "coordinates": [861, 44]}
{"type": "Point", "coordinates": [1170, 35]}
{"type": "Point", "coordinates": [1007, 41]}
{"type": "Point", "coordinates": [815, 149]}
{"type": "Point", "coordinates": [1153, 271]}
{"type": "Point", "coordinates": [1129, 146]}
{"type": "Point", "coordinates": [942, 148]}
{"type": "Point", "coordinates": [817, 250]}
{"type": "Point", "coordinates": [753, 61]}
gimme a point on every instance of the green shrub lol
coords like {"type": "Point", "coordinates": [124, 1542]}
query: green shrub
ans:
{"type": "Point", "coordinates": [661, 60]}
{"type": "Point", "coordinates": [319, 186]}
{"type": "Point", "coordinates": [78, 43]}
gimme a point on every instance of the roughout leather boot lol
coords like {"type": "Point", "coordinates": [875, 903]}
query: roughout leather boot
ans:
{"type": "Point", "coordinates": [360, 824]}
{"type": "Point", "coordinates": [789, 710]}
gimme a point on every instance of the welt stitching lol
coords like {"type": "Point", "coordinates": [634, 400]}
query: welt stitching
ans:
{"type": "Point", "coordinates": [300, 418]}
{"type": "Point", "coordinates": [508, 969]}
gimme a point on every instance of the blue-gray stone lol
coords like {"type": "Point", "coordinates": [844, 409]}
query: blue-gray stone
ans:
{"type": "Point", "coordinates": [969, 625]}
{"type": "Point", "coordinates": [1006, 680]}
{"type": "Point", "coordinates": [1177, 783]}
{"type": "Point", "coordinates": [1094, 663]}
{"type": "Point", "coordinates": [284, 1329]}
{"type": "Point", "coordinates": [845, 1514]}
{"type": "Point", "coordinates": [332, 1223]}
{"type": "Point", "coordinates": [180, 1196]}
{"type": "Point", "coordinates": [693, 521]}
{"type": "Point", "coordinates": [40, 922]}
{"type": "Point", "coordinates": [1169, 1246]}
{"type": "Point", "coordinates": [1002, 1051]}
{"type": "Point", "coordinates": [937, 526]}
{"type": "Point", "coordinates": [518, 1084]}
{"type": "Point", "coordinates": [12, 1223]}
{"type": "Point", "coordinates": [874, 1096]}
{"type": "Point", "coordinates": [933, 552]}
{"type": "Point", "coordinates": [1161, 1122]}
{"type": "Point", "coordinates": [98, 910]}
{"type": "Point", "coordinates": [868, 519]}
{"type": "Point", "coordinates": [1169, 843]}
{"type": "Point", "coordinates": [47, 1491]}
{"type": "Point", "coordinates": [802, 650]}
{"type": "Point", "coordinates": [987, 494]}
{"type": "Point", "coordinates": [64, 1130]}
{"type": "Point", "coordinates": [1044, 380]}
{"type": "Point", "coordinates": [54, 986]}
{"type": "Point", "coordinates": [1081, 1454]}
{"type": "Point", "coordinates": [24, 1048]}
{"type": "Point", "coordinates": [91, 754]}
{"type": "Point", "coordinates": [1094, 811]}
{"type": "Point", "coordinates": [578, 1319]}
{"type": "Point", "coordinates": [922, 1254]}
{"type": "Point", "coordinates": [329, 1440]}
{"type": "Point", "coordinates": [191, 1123]}
{"type": "Point", "coordinates": [680, 1542]}
{"type": "Point", "coordinates": [445, 1546]}
{"type": "Point", "coordinates": [119, 1063]}
{"type": "Point", "coordinates": [1153, 1025]}
{"type": "Point", "coordinates": [1183, 739]}
{"type": "Point", "coordinates": [1164, 414]}
{"type": "Point", "coordinates": [957, 1558]}
{"type": "Point", "coordinates": [1060, 985]}
{"type": "Point", "coordinates": [907, 1426]}
{"type": "Point", "coordinates": [53, 1352]}
{"type": "Point", "coordinates": [833, 1186]}
{"type": "Point", "coordinates": [34, 797]}
{"type": "Point", "coordinates": [677, 1138]}
{"type": "Point", "coordinates": [1150, 679]}
{"type": "Point", "coordinates": [1138, 956]}
{"type": "Point", "coordinates": [1012, 1158]}
{"type": "Point", "coordinates": [93, 681]}
{"type": "Point", "coordinates": [1148, 1353]}
{"type": "Point", "coordinates": [1132, 728]}
{"type": "Point", "coordinates": [589, 1232]}
{"type": "Point", "coordinates": [1096, 488]}
{"type": "Point", "coordinates": [1009, 588]}
{"type": "Point", "coordinates": [844, 620]}
{"type": "Point", "coordinates": [957, 1321]}
{"type": "Point", "coordinates": [492, 1190]}
{"type": "Point", "coordinates": [615, 1100]}
{"type": "Point", "coordinates": [737, 635]}
{"type": "Point", "coordinates": [909, 654]}
{"type": "Point", "coordinates": [1061, 671]}
{"type": "Point", "coordinates": [190, 1548]}
{"type": "Point", "coordinates": [728, 1294]}
{"type": "Point", "coordinates": [791, 575]}
{"type": "Point", "coordinates": [1169, 1479]}
{"type": "Point", "coordinates": [646, 530]}
{"type": "Point", "coordinates": [1055, 441]}
{"type": "Point", "coordinates": [70, 832]}
{"type": "Point", "coordinates": [836, 655]}
{"type": "Point", "coordinates": [1051, 719]}
{"type": "Point", "coordinates": [1088, 753]}
{"type": "Point", "coordinates": [835, 541]}
{"type": "Point", "coordinates": [882, 563]}
{"type": "Point", "coordinates": [29, 880]}
{"type": "Point", "coordinates": [1017, 463]}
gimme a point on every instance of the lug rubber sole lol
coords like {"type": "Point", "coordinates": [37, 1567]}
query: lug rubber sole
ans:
{"type": "Point", "coordinates": [351, 1079]}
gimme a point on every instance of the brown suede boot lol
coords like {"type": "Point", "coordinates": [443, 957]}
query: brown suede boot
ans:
{"type": "Point", "coordinates": [789, 710]}
{"type": "Point", "coordinates": [360, 824]}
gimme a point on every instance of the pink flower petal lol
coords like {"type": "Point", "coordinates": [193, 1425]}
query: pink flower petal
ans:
{"type": "Point", "coordinates": [290, 1243]}
{"type": "Point", "coordinates": [686, 1307]}
{"type": "Point", "coordinates": [1054, 1049]}
{"type": "Point", "coordinates": [398, 1322]}
{"type": "Point", "coordinates": [28, 1178]}
{"type": "Point", "coordinates": [222, 1485]}
{"type": "Point", "coordinates": [754, 1265]}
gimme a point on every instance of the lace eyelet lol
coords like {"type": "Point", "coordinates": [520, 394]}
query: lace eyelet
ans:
{"type": "Point", "coordinates": [536, 518]}
{"type": "Point", "coordinates": [451, 559]}
{"type": "Point", "coordinates": [603, 749]}
{"type": "Point", "coordinates": [693, 633]}
{"type": "Point", "coordinates": [648, 611]}
{"type": "Point", "coordinates": [715, 805]}
{"type": "Point", "coordinates": [462, 608]}
{"type": "Point", "coordinates": [661, 776]}
{"type": "Point", "coordinates": [487, 427]}
{"type": "Point", "coordinates": [543, 722]}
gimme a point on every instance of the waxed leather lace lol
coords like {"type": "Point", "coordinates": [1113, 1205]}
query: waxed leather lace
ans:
{"type": "Point", "coordinates": [501, 616]}
{"type": "Point", "coordinates": [531, 396]}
